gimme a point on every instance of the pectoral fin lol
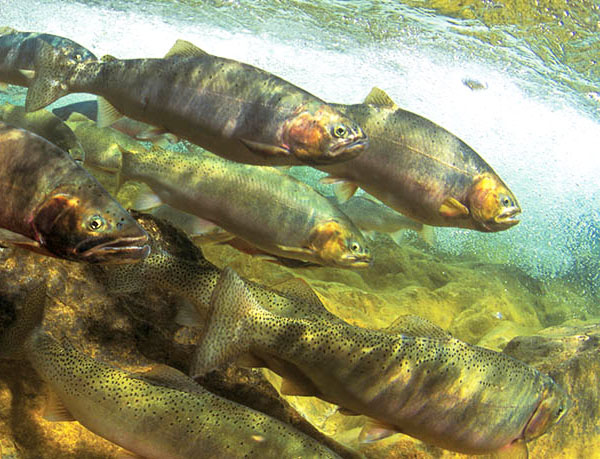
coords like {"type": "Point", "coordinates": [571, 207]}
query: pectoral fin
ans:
{"type": "Point", "coordinates": [107, 113]}
{"type": "Point", "coordinates": [264, 149]}
{"type": "Point", "coordinates": [451, 207]}
{"type": "Point", "coordinates": [147, 200]}
{"type": "Point", "coordinates": [55, 410]}
{"type": "Point", "coordinates": [342, 188]}
{"type": "Point", "coordinates": [516, 450]}
{"type": "Point", "coordinates": [375, 430]}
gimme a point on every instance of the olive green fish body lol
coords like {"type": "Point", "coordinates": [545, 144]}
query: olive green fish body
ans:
{"type": "Point", "coordinates": [52, 205]}
{"type": "Point", "coordinates": [441, 390]}
{"type": "Point", "coordinates": [233, 109]}
{"type": "Point", "coordinates": [46, 125]}
{"type": "Point", "coordinates": [424, 172]}
{"type": "Point", "coordinates": [264, 206]}
{"type": "Point", "coordinates": [18, 51]}
{"type": "Point", "coordinates": [154, 420]}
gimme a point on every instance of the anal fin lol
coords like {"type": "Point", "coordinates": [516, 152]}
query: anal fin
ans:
{"type": "Point", "coordinates": [55, 410]}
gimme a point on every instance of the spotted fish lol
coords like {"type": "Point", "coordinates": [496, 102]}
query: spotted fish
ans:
{"type": "Point", "coordinates": [156, 414]}
{"type": "Point", "coordinates": [51, 205]}
{"type": "Point", "coordinates": [19, 50]}
{"type": "Point", "coordinates": [422, 171]}
{"type": "Point", "coordinates": [232, 109]}
{"type": "Point", "coordinates": [438, 389]}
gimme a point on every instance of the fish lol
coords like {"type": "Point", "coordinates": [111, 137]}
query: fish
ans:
{"type": "Point", "coordinates": [438, 389]}
{"type": "Point", "coordinates": [18, 52]}
{"type": "Point", "coordinates": [160, 413]}
{"type": "Point", "coordinates": [51, 205]}
{"type": "Point", "coordinates": [422, 171]}
{"type": "Point", "coordinates": [128, 126]}
{"type": "Point", "coordinates": [232, 109]}
{"type": "Point", "coordinates": [46, 125]}
{"type": "Point", "coordinates": [371, 217]}
{"type": "Point", "coordinates": [262, 205]}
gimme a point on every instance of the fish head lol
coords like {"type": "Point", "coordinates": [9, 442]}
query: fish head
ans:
{"type": "Point", "coordinates": [83, 223]}
{"type": "Point", "coordinates": [321, 135]}
{"type": "Point", "coordinates": [552, 408]}
{"type": "Point", "coordinates": [493, 206]}
{"type": "Point", "coordinates": [336, 244]}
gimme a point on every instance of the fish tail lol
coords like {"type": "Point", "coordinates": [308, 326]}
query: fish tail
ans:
{"type": "Point", "coordinates": [48, 82]}
{"type": "Point", "coordinates": [228, 333]}
{"type": "Point", "coordinates": [29, 313]}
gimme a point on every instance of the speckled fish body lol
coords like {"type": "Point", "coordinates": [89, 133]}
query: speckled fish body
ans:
{"type": "Point", "coordinates": [262, 205]}
{"type": "Point", "coordinates": [53, 206]}
{"type": "Point", "coordinates": [46, 125]}
{"type": "Point", "coordinates": [233, 109]}
{"type": "Point", "coordinates": [145, 415]}
{"type": "Point", "coordinates": [18, 51]}
{"type": "Point", "coordinates": [423, 171]}
{"type": "Point", "coordinates": [442, 391]}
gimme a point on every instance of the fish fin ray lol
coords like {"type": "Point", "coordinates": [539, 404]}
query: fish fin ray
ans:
{"type": "Point", "coordinates": [264, 149]}
{"type": "Point", "coordinates": [108, 58]}
{"type": "Point", "coordinates": [188, 315]}
{"type": "Point", "coordinates": [55, 410]}
{"type": "Point", "coordinates": [376, 430]}
{"type": "Point", "coordinates": [107, 113]}
{"type": "Point", "coordinates": [184, 48]}
{"type": "Point", "coordinates": [342, 188]}
{"type": "Point", "coordinates": [147, 200]}
{"type": "Point", "coordinates": [379, 98]}
{"type": "Point", "coordinates": [427, 235]}
{"type": "Point", "coordinates": [302, 290]}
{"type": "Point", "coordinates": [28, 74]}
{"type": "Point", "coordinates": [227, 333]}
{"type": "Point", "coordinates": [451, 207]}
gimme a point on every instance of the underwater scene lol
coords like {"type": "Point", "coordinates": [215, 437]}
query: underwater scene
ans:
{"type": "Point", "coordinates": [292, 229]}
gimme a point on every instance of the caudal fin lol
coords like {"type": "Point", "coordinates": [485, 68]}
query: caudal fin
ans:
{"type": "Point", "coordinates": [228, 332]}
{"type": "Point", "coordinates": [29, 313]}
{"type": "Point", "coordinates": [48, 82]}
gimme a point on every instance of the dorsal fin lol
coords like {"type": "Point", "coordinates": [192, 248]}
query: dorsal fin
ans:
{"type": "Point", "coordinates": [184, 48]}
{"type": "Point", "coordinates": [300, 289]}
{"type": "Point", "coordinates": [380, 98]}
{"type": "Point", "coordinates": [6, 30]}
{"type": "Point", "coordinates": [108, 58]}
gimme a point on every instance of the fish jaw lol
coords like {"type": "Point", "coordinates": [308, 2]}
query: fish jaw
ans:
{"type": "Point", "coordinates": [114, 251]}
{"type": "Point", "coordinates": [321, 135]}
{"type": "Point", "coordinates": [493, 206]}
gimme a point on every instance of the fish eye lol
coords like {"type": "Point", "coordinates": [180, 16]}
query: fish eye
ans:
{"type": "Point", "coordinates": [95, 223]}
{"type": "Point", "coordinates": [340, 131]}
{"type": "Point", "coordinates": [354, 247]}
{"type": "Point", "coordinates": [506, 201]}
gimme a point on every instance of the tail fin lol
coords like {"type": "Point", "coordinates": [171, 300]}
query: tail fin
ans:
{"type": "Point", "coordinates": [227, 333]}
{"type": "Point", "coordinates": [49, 81]}
{"type": "Point", "coordinates": [29, 313]}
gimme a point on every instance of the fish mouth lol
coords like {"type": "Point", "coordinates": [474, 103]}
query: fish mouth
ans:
{"type": "Point", "coordinates": [508, 218]}
{"type": "Point", "coordinates": [114, 251]}
{"type": "Point", "coordinates": [358, 262]}
{"type": "Point", "coordinates": [349, 147]}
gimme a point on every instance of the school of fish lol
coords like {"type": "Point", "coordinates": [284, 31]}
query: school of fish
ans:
{"type": "Point", "coordinates": [236, 123]}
